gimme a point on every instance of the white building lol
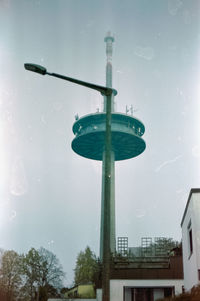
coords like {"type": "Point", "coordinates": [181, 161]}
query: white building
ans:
{"type": "Point", "coordinates": [150, 278]}
{"type": "Point", "coordinates": [145, 289]}
{"type": "Point", "coordinates": [191, 240]}
{"type": "Point", "coordinates": [153, 278]}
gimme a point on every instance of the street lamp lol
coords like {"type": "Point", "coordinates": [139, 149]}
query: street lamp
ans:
{"type": "Point", "coordinates": [43, 71]}
{"type": "Point", "coordinates": [107, 92]}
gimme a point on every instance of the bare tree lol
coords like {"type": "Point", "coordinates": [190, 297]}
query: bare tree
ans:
{"type": "Point", "coordinates": [42, 272]}
{"type": "Point", "coordinates": [30, 271]}
{"type": "Point", "coordinates": [51, 272]}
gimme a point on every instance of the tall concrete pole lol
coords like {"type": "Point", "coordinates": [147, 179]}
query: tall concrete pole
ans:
{"type": "Point", "coordinates": [107, 240]}
{"type": "Point", "coordinates": [106, 205]}
{"type": "Point", "coordinates": [111, 227]}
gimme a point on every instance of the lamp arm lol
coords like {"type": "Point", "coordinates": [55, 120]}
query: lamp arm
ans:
{"type": "Point", "coordinates": [103, 90]}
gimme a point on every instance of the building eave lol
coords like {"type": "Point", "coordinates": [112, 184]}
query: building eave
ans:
{"type": "Point", "coordinates": [193, 190]}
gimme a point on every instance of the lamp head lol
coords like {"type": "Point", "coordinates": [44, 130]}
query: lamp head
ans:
{"type": "Point", "coordinates": [35, 68]}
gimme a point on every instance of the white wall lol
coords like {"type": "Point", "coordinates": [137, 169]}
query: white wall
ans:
{"type": "Point", "coordinates": [99, 294]}
{"type": "Point", "coordinates": [191, 262]}
{"type": "Point", "coordinates": [196, 198]}
{"type": "Point", "coordinates": [116, 286]}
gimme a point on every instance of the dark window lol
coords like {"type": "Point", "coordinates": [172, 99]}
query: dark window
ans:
{"type": "Point", "coordinates": [141, 294]}
{"type": "Point", "coordinates": [199, 275]}
{"type": "Point", "coordinates": [167, 292]}
{"type": "Point", "coordinates": [190, 241]}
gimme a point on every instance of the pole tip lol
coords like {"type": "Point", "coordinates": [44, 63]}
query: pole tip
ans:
{"type": "Point", "coordinates": [109, 37]}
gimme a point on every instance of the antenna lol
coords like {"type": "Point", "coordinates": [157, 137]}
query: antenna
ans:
{"type": "Point", "coordinates": [131, 109]}
{"type": "Point", "coordinates": [76, 117]}
{"type": "Point", "coordinates": [109, 39]}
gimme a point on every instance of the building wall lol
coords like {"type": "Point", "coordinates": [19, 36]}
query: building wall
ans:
{"type": "Point", "coordinates": [86, 291]}
{"type": "Point", "coordinates": [117, 286]}
{"type": "Point", "coordinates": [99, 294]}
{"type": "Point", "coordinates": [83, 291]}
{"type": "Point", "coordinates": [149, 268]}
{"type": "Point", "coordinates": [197, 227]}
{"type": "Point", "coordinates": [191, 260]}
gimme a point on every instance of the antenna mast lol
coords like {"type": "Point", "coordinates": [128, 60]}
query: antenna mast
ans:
{"type": "Point", "coordinates": [109, 39]}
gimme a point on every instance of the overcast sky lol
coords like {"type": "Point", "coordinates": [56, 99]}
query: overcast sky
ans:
{"type": "Point", "coordinates": [50, 196]}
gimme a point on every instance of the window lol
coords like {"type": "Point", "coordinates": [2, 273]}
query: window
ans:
{"type": "Point", "coordinates": [190, 238]}
{"type": "Point", "coordinates": [168, 292]}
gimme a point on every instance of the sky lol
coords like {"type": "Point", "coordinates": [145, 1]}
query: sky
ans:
{"type": "Point", "coordinates": [50, 196]}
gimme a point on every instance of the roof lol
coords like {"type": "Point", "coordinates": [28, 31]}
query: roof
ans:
{"type": "Point", "coordinates": [193, 190]}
